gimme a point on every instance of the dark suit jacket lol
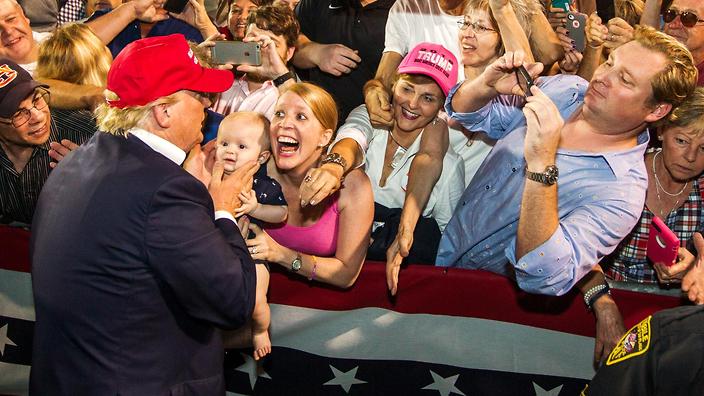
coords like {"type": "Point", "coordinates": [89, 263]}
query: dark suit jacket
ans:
{"type": "Point", "coordinates": [131, 277]}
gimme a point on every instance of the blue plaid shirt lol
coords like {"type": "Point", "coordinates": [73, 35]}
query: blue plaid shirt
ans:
{"type": "Point", "coordinates": [600, 198]}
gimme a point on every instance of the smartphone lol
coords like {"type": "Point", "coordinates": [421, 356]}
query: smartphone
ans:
{"type": "Point", "coordinates": [576, 23]}
{"type": "Point", "coordinates": [605, 10]}
{"type": "Point", "coordinates": [237, 53]}
{"type": "Point", "coordinates": [564, 4]}
{"type": "Point", "coordinates": [525, 81]}
{"type": "Point", "coordinates": [175, 6]}
{"type": "Point", "coordinates": [662, 243]}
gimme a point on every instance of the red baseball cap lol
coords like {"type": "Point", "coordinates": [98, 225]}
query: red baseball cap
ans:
{"type": "Point", "coordinates": [155, 67]}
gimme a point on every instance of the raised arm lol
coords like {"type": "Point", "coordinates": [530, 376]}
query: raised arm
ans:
{"type": "Point", "coordinates": [109, 25]}
{"type": "Point", "coordinates": [651, 14]}
{"type": "Point", "coordinates": [538, 219]}
{"type": "Point", "coordinates": [512, 34]}
{"type": "Point", "coordinates": [377, 92]}
{"type": "Point", "coordinates": [496, 79]}
{"type": "Point", "coordinates": [65, 95]}
{"type": "Point", "coordinates": [595, 35]}
{"type": "Point", "coordinates": [544, 41]}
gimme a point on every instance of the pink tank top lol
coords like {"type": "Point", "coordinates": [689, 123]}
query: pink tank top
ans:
{"type": "Point", "coordinates": [319, 239]}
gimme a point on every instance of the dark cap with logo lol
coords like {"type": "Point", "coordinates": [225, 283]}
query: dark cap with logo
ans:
{"type": "Point", "coordinates": [15, 86]}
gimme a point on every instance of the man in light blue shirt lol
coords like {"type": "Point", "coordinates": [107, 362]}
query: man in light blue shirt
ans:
{"type": "Point", "coordinates": [515, 218]}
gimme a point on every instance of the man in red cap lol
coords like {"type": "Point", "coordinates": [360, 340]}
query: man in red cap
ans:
{"type": "Point", "coordinates": [26, 130]}
{"type": "Point", "coordinates": [135, 263]}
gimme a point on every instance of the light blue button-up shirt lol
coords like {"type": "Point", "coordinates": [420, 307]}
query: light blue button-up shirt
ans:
{"type": "Point", "coordinates": [600, 198]}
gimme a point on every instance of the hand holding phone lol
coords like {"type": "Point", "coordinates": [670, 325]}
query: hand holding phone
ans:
{"type": "Point", "coordinates": [662, 243]}
{"type": "Point", "coordinates": [236, 53]}
{"type": "Point", "coordinates": [525, 81]}
{"type": "Point", "coordinates": [576, 23]}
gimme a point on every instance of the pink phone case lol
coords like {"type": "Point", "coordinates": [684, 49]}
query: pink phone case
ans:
{"type": "Point", "coordinates": [662, 243]}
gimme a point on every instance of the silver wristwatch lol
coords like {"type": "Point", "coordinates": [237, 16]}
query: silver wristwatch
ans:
{"type": "Point", "coordinates": [549, 177]}
{"type": "Point", "coordinates": [297, 263]}
{"type": "Point", "coordinates": [334, 158]}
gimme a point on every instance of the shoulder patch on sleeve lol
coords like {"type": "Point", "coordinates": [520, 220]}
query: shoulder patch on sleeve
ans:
{"type": "Point", "coordinates": [635, 342]}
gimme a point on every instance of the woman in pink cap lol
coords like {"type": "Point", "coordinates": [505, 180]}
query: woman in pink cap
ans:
{"type": "Point", "coordinates": [424, 78]}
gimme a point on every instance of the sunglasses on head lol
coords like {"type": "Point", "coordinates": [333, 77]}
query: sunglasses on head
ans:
{"type": "Point", "coordinates": [688, 19]}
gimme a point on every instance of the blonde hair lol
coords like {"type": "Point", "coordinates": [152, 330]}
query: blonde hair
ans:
{"type": "Point", "coordinates": [264, 140]}
{"type": "Point", "coordinates": [690, 114]}
{"type": "Point", "coordinates": [118, 121]}
{"type": "Point", "coordinates": [320, 102]}
{"type": "Point", "coordinates": [629, 10]}
{"type": "Point", "coordinates": [525, 10]}
{"type": "Point", "coordinates": [678, 78]}
{"type": "Point", "coordinates": [74, 54]}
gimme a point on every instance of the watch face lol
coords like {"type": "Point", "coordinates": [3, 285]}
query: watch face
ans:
{"type": "Point", "coordinates": [551, 174]}
{"type": "Point", "coordinates": [296, 264]}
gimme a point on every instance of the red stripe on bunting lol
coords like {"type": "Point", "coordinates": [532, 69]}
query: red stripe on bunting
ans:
{"type": "Point", "coordinates": [422, 289]}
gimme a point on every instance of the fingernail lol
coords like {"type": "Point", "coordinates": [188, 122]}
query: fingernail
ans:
{"type": "Point", "coordinates": [574, 46]}
{"type": "Point", "coordinates": [572, 42]}
{"type": "Point", "coordinates": [312, 202]}
{"type": "Point", "coordinates": [303, 203]}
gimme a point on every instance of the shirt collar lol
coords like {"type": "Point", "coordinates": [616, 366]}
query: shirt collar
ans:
{"type": "Point", "coordinates": [620, 162]}
{"type": "Point", "coordinates": [242, 81]}
{"type": "Point", "coordinates": [160, 145]}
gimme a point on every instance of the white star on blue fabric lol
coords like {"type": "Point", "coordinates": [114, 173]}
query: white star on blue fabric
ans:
{"type": "Point", "coordinates": [4, 339]}
{"type": "Point", "coordinates": [444, 385]}
{"type": "Point", "coordinates": [539, 391]}
{"type": "Point", "coordinates": [252, 369]}
{"type": "Point", "coordinates": [345, 380]}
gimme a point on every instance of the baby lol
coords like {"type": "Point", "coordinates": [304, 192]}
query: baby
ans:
{"type": "Point", "coordinates": [243, 137]}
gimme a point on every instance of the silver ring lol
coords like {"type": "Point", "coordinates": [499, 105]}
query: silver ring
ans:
{"type": "Point", "coordinates": [253, 250]}
{"type": "Point", "coordinates": [308, 179]}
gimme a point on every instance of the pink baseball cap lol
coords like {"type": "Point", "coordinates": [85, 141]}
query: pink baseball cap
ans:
{"type": "Point", "coordinates": [154, 67]}
{"type": "Point", "coordinates": [434, 61]}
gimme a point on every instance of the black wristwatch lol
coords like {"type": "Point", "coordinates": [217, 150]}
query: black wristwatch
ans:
{"type": "Point", "coordinates": [549, 177]}
{"type": "Point", "coordinates": [283, 78]}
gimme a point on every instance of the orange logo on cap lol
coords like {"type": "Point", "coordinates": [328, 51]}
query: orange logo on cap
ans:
{"type": "Point", "coordinates": [6, 75]}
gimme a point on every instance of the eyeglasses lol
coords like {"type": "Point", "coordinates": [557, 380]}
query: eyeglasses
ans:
{"type": "Point", "coordinates": [688, 19]}
{"type": "Point", "coordinates": [476, 27]}
{"type": "Point", "coordinates": [40, 101]}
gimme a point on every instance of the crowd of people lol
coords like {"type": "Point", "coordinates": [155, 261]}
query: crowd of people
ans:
{"type": "Point", "coordinates": [459, 133]}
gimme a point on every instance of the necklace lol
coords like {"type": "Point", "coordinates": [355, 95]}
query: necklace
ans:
{"type": "Point", "coordinates": [400, 151]}
{"type": "Point", "coordinates": [658, 187]}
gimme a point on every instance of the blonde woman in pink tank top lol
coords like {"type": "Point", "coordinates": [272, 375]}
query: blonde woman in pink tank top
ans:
{"type": "Point", "coordinates": [326, 242]}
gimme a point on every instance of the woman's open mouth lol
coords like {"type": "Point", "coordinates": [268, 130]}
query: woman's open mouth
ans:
{"type": "Point", "coordinates": [287, 145]}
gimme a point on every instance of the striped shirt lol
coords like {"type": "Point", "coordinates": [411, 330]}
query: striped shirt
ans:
{"type": "Point", "coordinates": [19, 191]}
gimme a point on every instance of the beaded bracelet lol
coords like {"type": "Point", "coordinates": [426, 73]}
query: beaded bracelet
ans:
{"type": "Point", "coordinates": [591, 295]}
{"type": "Point", "coordinates": [315, 267]}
